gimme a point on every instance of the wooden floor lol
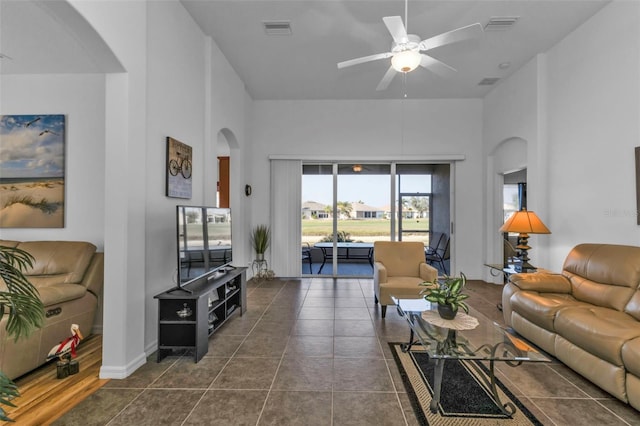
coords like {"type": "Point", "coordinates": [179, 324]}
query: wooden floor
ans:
{"type": "Point", "coordinates": [44, 398]}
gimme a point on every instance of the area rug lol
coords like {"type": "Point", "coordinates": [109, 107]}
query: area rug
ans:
{"type": "Point", "coordinates": [464, 400]}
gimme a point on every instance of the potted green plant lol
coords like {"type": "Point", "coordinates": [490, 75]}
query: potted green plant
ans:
{"type": "Point", "coordinates": [260, 239]}
{"type": "Point", "coordinates": [20, 300]}
{"type": "Point", "coordinates": [448, 294]}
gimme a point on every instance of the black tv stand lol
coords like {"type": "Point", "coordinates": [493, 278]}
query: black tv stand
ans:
{"type": "Point", "coordinates": [188, 316]}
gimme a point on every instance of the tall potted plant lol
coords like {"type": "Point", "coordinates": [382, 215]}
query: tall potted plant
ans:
{"type": "Point", "coordinates": [20, 300]}
{"type": "Point", "coordinates": [260, 240]}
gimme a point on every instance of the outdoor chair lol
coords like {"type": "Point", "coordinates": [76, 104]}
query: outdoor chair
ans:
{"type": "Point", "coordinates": [398, 270]}
{"type": "Point", "coordinates": [440, 254]}
{"type": "Point", "coordinates": [306, 256]}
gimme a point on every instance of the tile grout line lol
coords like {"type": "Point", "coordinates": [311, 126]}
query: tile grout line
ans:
{"type": "Point", "coordinates": [264, 404]}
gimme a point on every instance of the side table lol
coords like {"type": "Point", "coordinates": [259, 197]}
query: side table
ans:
{"type": "Point", "coordinates": [497, 269]}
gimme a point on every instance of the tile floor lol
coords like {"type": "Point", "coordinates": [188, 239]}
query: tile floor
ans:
{"type": "Point", "coordinates": [313, 351]}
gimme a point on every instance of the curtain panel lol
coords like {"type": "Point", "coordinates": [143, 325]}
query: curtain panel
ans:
{"type": "Point", "coordinates": [286, 205]}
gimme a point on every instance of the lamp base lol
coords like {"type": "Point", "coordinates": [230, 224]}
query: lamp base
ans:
{"type": "Point", "coordinates": [524, 267]}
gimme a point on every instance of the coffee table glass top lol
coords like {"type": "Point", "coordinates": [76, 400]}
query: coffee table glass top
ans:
{"type": "Point", "coordinates": [456, 339]}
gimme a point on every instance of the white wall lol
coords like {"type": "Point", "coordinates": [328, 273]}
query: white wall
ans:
{"type": "Point", "coordinates": [176, 58]}
{"type": "Point", "coordinates": [593, 115]}
{"type": "Point", "coordinates": [81, 99]}
{"type": "Point", "coordinates": [577, 107]}
{"type": "Point", "coordinates": [388, 129]}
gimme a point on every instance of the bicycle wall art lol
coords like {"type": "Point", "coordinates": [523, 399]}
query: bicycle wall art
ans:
{"type": "Point", "coordinates": [32, 173]}
{"type": "Point", "coordinates": [179, 168]}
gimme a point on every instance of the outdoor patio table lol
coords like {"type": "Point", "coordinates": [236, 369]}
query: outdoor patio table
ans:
{"type": "Point", "coordinates": [345, 251]}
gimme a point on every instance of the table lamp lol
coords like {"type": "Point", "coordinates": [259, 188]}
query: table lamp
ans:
{"type": "Point", "coordinates": [524, 222]}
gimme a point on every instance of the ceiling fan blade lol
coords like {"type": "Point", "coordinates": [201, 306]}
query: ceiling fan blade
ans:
{"type": "Point", "coordinates": [386, 80]}
{"type": "Point", "coordinates": [436, 66]}
{"type": "Point", "coordinates": [396, 28]}
{"type": "Point", "coordinates": [364, 59]}
{"type": "Point", "coordinates": [454, 36]}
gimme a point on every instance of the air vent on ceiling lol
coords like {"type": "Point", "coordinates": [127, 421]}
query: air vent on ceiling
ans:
{"type": "Point", "coordinates": [277, 27]}
{"type": "Point", "coordinates": [500, 23]}
{"type": "Point", "coordinates": [488, 81]}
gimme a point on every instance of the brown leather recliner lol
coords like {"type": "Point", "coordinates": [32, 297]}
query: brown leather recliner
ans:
{"type": "Point", "coordinates": [398, 270]}
{"type": "Point", "coordinates": [588, 316]}
{"type": "Point", "coordinates": [69, 277]}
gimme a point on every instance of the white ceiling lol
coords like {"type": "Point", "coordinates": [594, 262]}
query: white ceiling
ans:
{"type": "Point", "coordinates": [47, 37]}
{"type": "Point", "coordinates": [303, 65]}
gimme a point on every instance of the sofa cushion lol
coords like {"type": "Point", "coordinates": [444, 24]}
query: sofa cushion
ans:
{"type": "Point", "coordinates": [541, 308]}
{"type": "Point", "coordinates": [58, 261]}
{"type": "Point", "coordinates": [599, 331]}
{"type": "Point", "coordinates": [603, 274]}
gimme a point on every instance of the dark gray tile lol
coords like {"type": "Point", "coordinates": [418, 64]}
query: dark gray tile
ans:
{"type": "Point", "coordinates": [305, 374]}
{"type": "Point", "coordinates": [297, 408]}
{"type": "Point", "coordinates": [188, 374]}
{"type": "Point", "coordinates": [538, 380]}
{"type": "Point", "coordinates": [319, 302]}
{"type": "Point", "coordinates": [350, 302]}
{"type": "Point", "coordinates": [345, 327]}
{"type": "Point", "coordinates": [316, 313]}
{"type": "Point", "coordinates": [263, 345]}
{"type": "Point", "coordinates": [247, 373]}
{"type": "Point", "coordinates": [577, 412]}
{"type": "Point", "coordinates": [309, 346]}
{"type": "Point", "coordinates": [99, 407]}
{"type": "Point", "coordinates": [353, 313]}
{"type": "Point", "coordinates": [361, 375]}
{"type": "Point", "coordinates": [145, 375]}
{"type": "Point", "coordinates": [366, 408]}
{"type": "Point", "coordinates": [625, 411]}
{"type": "Point", "coordinates": [159, 407]}
{"type": "Point", "coordinates": [223, 346]}
{"type": "Point", "coordinates": [228, 407]}
{"type": "Point", "coordinates": [313, 328]}
{"type": "Point", "coordinates": [356, 347]}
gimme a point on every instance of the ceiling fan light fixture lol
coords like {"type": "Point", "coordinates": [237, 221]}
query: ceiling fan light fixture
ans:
{"type": "Point", "coordinates": [406, 61]}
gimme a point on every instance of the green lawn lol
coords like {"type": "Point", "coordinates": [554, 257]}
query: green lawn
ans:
{"type": "Point", "coordinates": [360, 227]}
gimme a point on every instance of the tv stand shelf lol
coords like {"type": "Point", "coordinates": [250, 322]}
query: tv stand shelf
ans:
{"type": "Point", "coordinates": [188, 317]}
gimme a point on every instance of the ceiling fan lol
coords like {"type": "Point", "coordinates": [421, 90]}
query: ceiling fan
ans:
{"type": "Point", "coordinates": [406, 50]}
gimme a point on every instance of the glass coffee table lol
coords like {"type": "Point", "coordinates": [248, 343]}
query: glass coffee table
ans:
{"type": "Point", "coordinates": [470, 336]}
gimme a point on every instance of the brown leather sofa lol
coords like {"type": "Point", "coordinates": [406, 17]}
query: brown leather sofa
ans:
{"type": "Point", "coordinates": [588, 316]}
{"type": "Point", "coordinates": [399, 268]}
{"type": "Point", "coordinates": [69, 279]}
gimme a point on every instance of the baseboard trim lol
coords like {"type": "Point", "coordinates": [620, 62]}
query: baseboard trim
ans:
{"type": "Point", "coordinates": [122, 372]}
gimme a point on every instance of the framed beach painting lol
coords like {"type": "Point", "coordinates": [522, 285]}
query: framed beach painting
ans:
{"type": "Point", "coordinates": [179, 168]}
{"type": "Point", "coordinates": [32, 172]}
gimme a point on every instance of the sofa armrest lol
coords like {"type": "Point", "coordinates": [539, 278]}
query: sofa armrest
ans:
{"type": "Point", "coordinates": [428, 272]}
{"type": "Point", "coordinates": [379, 273]}
{"type": "Point", "coordinates": [94, 276]}
{"type": "Point", "coordinates": [542, 282]}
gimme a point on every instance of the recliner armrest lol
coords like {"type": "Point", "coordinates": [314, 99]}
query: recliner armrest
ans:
{"type": "Point", "coordinates": [379, 273]}
{"type": "Point", "coordinates": [542, 282]}
{"type": "Point", "coordinates": [428, 272]}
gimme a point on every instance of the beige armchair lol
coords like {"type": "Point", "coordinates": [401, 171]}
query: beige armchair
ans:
{"type": "Point", "coordinates": [398, 269]}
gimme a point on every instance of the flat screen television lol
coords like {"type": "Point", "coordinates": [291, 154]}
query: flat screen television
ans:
{"type": "Point", "coordinates": [204, 241]}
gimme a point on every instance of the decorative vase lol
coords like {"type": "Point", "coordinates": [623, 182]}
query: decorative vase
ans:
{"type": "Point", "coordinates": [447, 312]}
{"type": "Point", "coordinates": [259, 257]}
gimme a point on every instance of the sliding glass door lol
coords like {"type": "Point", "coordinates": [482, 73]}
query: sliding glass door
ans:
{"type": "Point", "coordinates": [348, 206]}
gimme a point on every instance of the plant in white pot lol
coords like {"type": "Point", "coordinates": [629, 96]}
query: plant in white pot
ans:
{"type": "Point", "coordinates": [260, 240]}
{"type": "Point", "coordinates": [448, 294]}
{"type": "Point", "coordinates": [20, 301]}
